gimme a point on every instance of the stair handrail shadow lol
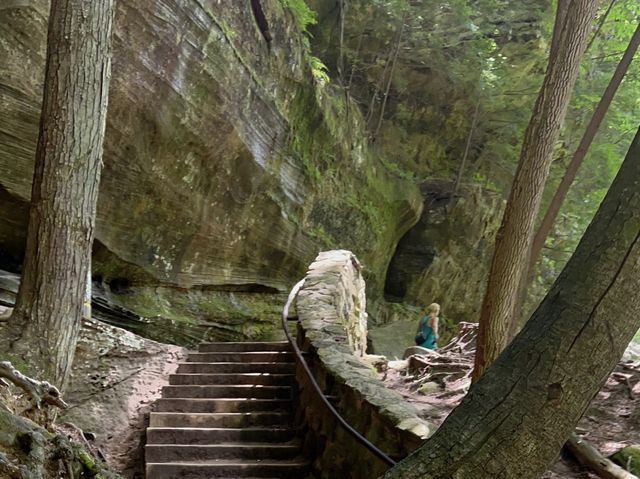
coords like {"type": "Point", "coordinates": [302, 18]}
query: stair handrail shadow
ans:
{"type": "Point", "coordinates": [300, 359]}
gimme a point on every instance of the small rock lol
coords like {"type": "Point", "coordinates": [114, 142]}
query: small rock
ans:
{"type": "Point", "coordinates": [429, 388]}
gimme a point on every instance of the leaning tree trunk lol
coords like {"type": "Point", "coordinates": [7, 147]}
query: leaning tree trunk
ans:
{"type": "Point", "coordinates": [518, 415]}
{"type": "Point", "coordinates": [514, 237]}
{"type": "Point", "coordinates": [65, 185]}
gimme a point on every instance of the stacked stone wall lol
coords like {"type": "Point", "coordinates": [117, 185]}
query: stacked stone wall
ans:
{"type": "Point", "coordinates": [332, 331]}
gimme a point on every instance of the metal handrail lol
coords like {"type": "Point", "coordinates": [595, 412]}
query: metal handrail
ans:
{"type": "Point", "coordinates": [356, 435]}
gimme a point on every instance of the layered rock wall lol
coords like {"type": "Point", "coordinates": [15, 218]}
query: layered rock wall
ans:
{"type": "Point", "coordinates": [226, 167]}
{"type": "Point", "coordinates": [445, 257]}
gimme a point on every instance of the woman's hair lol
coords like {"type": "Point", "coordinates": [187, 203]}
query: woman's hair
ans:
{"type": "Point", "coordinates": [433, 308]}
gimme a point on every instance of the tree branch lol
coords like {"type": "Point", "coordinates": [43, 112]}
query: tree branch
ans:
{"type": "Point", "coordinates": [589, 456]}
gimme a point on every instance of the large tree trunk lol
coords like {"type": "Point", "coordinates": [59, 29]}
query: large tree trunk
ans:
{"type": "Point", "coordinates": [65, 185]}
{"type": "Point", "coordinates": [514, 237]}
{"type": "Point", "coordinates": [572, 170]}
{"type": "Point", "coordinates": [518, 415]}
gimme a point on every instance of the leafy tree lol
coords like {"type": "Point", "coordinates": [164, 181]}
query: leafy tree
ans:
{"type": "Point", "coordinates": [602, 160]}
{"type": "Point", "coordinates": [570, 36]}
{"type": "Point", "coordinates": [517, 416]}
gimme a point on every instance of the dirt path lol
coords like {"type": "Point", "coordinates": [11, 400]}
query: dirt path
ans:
{"type": "Point", "coordinates": [611, 422]}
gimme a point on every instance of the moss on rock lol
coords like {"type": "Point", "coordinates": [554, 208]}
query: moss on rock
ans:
{"type": "Point", "coordinates": [628, 458]}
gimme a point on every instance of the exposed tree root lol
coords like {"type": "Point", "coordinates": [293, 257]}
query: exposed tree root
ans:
{"type": "Point", "coordinates": [41, 392]}
{"type": "Point", "coordinates": [590, 457]}
{"type": "Point", "coordinates": [450, 366]}
{"type": "Point", "coordinates": [31, 451]}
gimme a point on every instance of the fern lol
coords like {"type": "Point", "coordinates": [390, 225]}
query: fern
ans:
{"type": "Point", "coordinates": [304, 16]}
{"type": "Point", "coordinates": [319, 70]}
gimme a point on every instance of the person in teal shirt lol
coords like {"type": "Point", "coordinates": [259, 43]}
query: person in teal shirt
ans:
{"type": "Point", "coordinates": [427, 334]}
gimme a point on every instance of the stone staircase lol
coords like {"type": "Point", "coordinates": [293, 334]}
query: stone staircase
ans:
{"type": "Point", "coordinates": [227, 413]}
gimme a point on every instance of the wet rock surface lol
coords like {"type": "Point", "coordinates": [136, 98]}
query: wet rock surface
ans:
{"type": "Point", "coordinates": [445, 257]}
{"type": "Point", "coordinates": [224, 165]}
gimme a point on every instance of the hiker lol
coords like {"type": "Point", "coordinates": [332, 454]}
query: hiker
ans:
{"type": "Point", "coordinates": [427, 334]}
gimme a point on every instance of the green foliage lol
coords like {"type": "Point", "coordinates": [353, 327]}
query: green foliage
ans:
{"type": "Point", "coordinates": [318, 70]}
{"type": "Point", "coordinates": [457, 55]}
{"type": "Point", "coordinates": [452, 56]}
{"type": "Point", "coordinates": [305, 17]}
{"type": "Point", "coordinates": [628, 458]}
{"type": "Point", "coordinates": [608, 149]}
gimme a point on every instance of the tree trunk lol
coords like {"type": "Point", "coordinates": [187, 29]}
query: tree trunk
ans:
{"type": "Point", "coordinates": [557, 36]}
{"type": "Point", "coordinates": [579, 155]}
{"type": "Point", "coordinates": [343, 13]}
{"type": "Point", "coordinates": [514, 237]}
{"type": "Point", "coordinates": [355, 59]}
{"type": "Point", "coordinates": [600, 24]}
{"type": "Point", "coordinates": [467, 147]}
{"type": "Point", "coordinates": [390, 79]}
{"type": "Point", "coordinates": [65, 186]}
{"type": "Point", "coordinates": [518, 415]}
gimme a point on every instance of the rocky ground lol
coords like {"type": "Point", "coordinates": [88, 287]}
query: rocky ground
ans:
{"type": "Point", "coordinates": [438, 382]}
{"type": "Point", "coordinates": [116, 378]}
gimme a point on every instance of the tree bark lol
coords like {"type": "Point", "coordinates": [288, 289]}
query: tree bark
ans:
{"type": "Point", "coordinates": [580, 153]}
{"type": "Point", "coordinates": [467, 147]}
{"type": "Point", "coordinates": [600, 24]}
{"type": "Point", "coordinates": [390, 79]}
{"type": "Point", "coordinates": [355, 59]}
{"type": "Point", "coordinates": [343, 13]}
{"type": "Point", "coordinates": [518, 415]}
{"type": "Point", "coordinates": [513, 241]}
{"type": "Point", "coordinates": [557, 37]}
{"type": "Point", "coordinates": [65, 186]}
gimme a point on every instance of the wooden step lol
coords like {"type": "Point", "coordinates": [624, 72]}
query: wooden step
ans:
{"type": "Point", "coordinates": [232, 378]}
{"type": "Point", "coordinates": [204, 436]}
{"type": "Point", "coordinates": [234, 420]}
{"type": "Point", "coordinates": [226, 367]}
{"type": "Point", "coordinates": [235, 469]}
{"type": "Point", "coordinates": [248, 346]}
{"type": "Point", "coordinates": [242, 357]}
{"type": "Point", "coordinates": [228, 391]}
{"type": "Point", "coordinates": [180, 453]}
{"type": "Point", "coordinates": [202, 405]}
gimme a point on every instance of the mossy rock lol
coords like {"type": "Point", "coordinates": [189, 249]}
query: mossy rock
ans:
{"type": "Point", "coordinates": [429, 388]}
{"type": "Point", "coordinates": [628, 458]}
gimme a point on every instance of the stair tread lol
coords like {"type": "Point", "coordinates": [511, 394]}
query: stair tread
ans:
{"type": "Point", "coordinates": [294, 445]}
{"type": "Point", "coordinates": [227, 399]}
{"type": "Point", "coordinates": [245, 342]}
{"type": "Point", "coordinates": [252, 428]}
{"type": "Point", "coordinates": [233, 374]}
{"type": "Point", "coordinates": [232, 362]}
{"type": "Point", "coordinates": [272, 445]}
{"type": "Point", "coordinates": [239, 462]}
{"type": "Point", "coordinates": [228, 386]}
{"type": "Point", "coordinates": [221, 414]}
